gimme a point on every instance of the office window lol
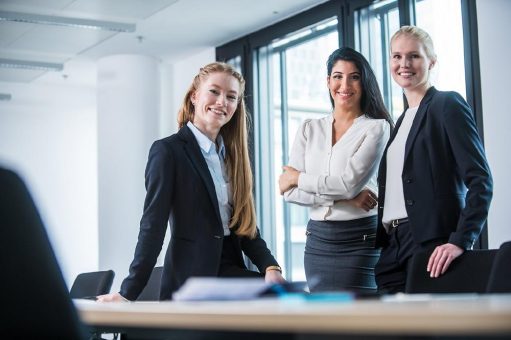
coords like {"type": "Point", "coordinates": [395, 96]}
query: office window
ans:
{"type": "Point", "coordinates": [291, 86]}
{"type": "Point", "coordinates": [442, 20]}
{"type": "Point", "coordinates": [374, 26]}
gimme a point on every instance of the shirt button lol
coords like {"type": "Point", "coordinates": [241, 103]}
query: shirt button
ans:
{"type": "Point", "coordinates": [410, 202]}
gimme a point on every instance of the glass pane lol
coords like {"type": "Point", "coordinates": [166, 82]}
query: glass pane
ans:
{"type": "Point", "coordinates": [374, 25]}
{"type": "Point", "coordinates": [442, 20]}
{"type": "Point", "coordinates": [236, 63]}
{"type": "Point", "coordinates": [307, 97]}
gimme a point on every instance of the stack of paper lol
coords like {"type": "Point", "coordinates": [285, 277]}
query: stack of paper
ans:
{"type": "Point", "coordinates": [213, 288]}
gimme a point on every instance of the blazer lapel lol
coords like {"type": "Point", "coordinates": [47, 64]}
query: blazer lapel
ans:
{"type": "Point", "coordinates": [194, 153]}
{"type": "Point", "coordinates": [396, 128]}
{"type": "Point", "coordinates": [417, 122]}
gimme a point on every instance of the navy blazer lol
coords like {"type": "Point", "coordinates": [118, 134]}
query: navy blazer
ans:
{"type": "Point", "coordinates": [180, 190]}
{"type": "Point", "coordinates": [447, 182]}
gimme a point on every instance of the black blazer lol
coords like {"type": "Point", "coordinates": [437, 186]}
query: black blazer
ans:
{"type": "Point", "coordinates": [180, 190]}
{"type": "Point", "coordinates": [447, 182]}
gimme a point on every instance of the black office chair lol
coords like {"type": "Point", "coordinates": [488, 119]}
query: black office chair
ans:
{"type": "Point", "coordinates": [87, 285]}
{"type": "Point", "coordinates": [500, 276]}
{"type": "Point", "coordinates": [151, 291]}
{"type": "Point", "coordinates": [469, 273]}
{"type": "Point", "coordinates": [35, 300]}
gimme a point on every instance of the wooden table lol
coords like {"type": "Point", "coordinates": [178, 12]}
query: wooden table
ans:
{"type": "Point", "coordinates": [461, 315]}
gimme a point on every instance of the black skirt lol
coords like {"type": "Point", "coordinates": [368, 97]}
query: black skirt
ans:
{"type": "Point", "coordinates": [340, 255]}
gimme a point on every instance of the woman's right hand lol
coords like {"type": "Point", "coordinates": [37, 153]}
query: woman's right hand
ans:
{"type": "Point", "coordinates": [366, 200]}
{"type": "Point", "coordinates": [112, 297]}
{"type": "Point", "coordinates": [288, 179]}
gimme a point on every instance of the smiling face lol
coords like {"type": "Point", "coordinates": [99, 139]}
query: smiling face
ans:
{"type": "Point", "coordinates": [345, 85]}
{"type": "Point", "coordinates": [215, 102]}
{"type": "Point", "coordinates": [410, 64]}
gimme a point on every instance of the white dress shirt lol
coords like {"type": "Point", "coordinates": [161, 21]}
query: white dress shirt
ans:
{"type": "Point", "coordinates": [394, 196]}
{"type": "Point", "coordinates": [216, 165]}
{"type": "Point", "coordinates": [332, 173]}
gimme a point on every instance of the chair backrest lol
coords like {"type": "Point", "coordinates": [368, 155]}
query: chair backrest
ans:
{"type": "Point", "coordinates": [35, 300]}
{"type": "Point", "coordinates": [92, 284]}
{"type": "Point", "coordinates": [469, 273]}
{"type": "Point", "coordinates": [151, 291]}
{"type": "Point", "coordinates": [500, 277]}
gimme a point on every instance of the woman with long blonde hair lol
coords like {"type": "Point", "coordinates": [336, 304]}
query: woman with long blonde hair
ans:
{"type": "Point", "coordinates": [199, 180]}
{"type": "Point", "coordinates": [434, 180]}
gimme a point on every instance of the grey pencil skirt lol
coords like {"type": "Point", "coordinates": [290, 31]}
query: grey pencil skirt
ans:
{"type": "Point", "coordinates": [340, 255]}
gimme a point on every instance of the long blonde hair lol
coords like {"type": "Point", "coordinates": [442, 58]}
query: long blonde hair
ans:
{"type": "Point", "coordinates": [235, 138]}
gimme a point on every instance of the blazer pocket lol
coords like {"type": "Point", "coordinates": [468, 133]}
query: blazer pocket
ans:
{"type": "Point", "coordinates": [185, 238]}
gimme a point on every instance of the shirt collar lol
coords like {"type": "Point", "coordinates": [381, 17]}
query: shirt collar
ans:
{"type": "Point", "coordinates": [205, 143]}
{"type": "Point", "coordinates": [361, 117]}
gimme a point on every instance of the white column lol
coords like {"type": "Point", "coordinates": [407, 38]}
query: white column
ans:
{"type": "Point", "coordinates": [128, 115]}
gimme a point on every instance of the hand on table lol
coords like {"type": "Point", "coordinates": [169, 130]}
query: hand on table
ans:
{"type": "Point", "coordinates": [274, 276]}
{"type": "Point", "coordinates": [112, 297]}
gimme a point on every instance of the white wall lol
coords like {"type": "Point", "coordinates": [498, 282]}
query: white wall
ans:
{"type": "Point", "coordinates": [48, 134]}
{"type": "Point", "coordinates": [128, 97]}
{"type": "Point", "coordinates": [494, 51]}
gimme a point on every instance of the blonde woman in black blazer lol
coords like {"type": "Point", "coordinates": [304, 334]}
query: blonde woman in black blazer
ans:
{"type": "Point", "coordinates": [200, 182]}
{"type": "Point", "coordinates": [435, 184]}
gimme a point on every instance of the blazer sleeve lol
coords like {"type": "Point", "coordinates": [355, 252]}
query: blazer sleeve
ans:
{"type": "Point", "coordinates": [297, 161]}
{"type": "Point", "coordinates": [359, 168]}
{"type": "Point", "coordinates": [473, 168]}
{"type": "Point", "coordinates": [159, 175]}
{"type": "Point", "coordinates": [258, 252]}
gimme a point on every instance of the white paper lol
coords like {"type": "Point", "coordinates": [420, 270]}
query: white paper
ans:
{"type": "Point", "coordinates": [213, 288]}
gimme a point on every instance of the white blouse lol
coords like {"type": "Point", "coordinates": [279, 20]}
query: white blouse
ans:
{"type": "Point", "coordinates": [394, 195]}
{"type": "Point", "coordinates": [333, 173]}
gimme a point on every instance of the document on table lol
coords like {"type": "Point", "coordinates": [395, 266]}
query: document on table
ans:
{"type": "Point", "coordinates": [213, 288]}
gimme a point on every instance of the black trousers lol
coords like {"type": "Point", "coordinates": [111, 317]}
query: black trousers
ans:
{"type": "Point", "coordinates": [229, 265]}
{"type": "Point", "coordinates": [392, 266]}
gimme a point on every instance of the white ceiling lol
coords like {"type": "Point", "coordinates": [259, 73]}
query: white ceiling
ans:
{"type": "Point", "coordinates": [166, 29]}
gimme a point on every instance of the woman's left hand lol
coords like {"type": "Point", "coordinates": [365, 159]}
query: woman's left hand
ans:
{"type": "Point", "coordinates": [442, 257]}
{"type": "Point", "coordinates": [274, 276]}
{"type": "Point", "coordinates": [365, 200]}
{"type": "Point", "coordinates": [288, 179]}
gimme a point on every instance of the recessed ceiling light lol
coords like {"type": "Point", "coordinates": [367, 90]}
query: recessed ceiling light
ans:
{"type": "Point", "coordinates": [30, 65]}
{"type": "Point", "coordinates": [5, 96]}
{"type": "Point", "coordinates": [66, 21]}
